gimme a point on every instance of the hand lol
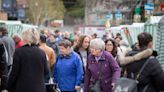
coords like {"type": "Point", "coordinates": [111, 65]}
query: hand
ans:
{"type": "Point", "coordinates": [5, 91]}
{"type": "Point", "coordinates": [77, 88]}
{"type": "Point", "coordinates": [113, 85]}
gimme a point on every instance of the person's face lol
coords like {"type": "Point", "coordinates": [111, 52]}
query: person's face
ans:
{"type": "Point", "coordinates": [0, 33]}
{"type": "Point", "coordinates": [95, 51]}
{"type": "Point", "coordinates": [57, 33]}
{"type": "Point", "coordinates": [118, 40]}
{"type": "Point", "coordinates": [63, 50]}
{"type": "Point", "coordinates": [150, 44]}
{"type": "Point", "coordinates": [16, 39]}
{"type": "Point", "coordinates": [51, 38]}
{"type": "Point", "coordinates": [109, 46]}
{"type": "Point", "coordinates": [67, 36]}
{"type": "Point", "coordinates": [85, 44]}
{"type": "Point", "coordinates": [93, 36]}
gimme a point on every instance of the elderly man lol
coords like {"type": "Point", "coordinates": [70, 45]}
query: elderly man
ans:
{"type": "Point", "coordinates": [18, 41]}
{"type": "Point", "coordinates": [68, 69]}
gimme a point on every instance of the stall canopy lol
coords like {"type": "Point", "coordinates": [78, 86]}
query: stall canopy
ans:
{"type": "Point", "coordinates": [15, 26]}
{"type": "Point", "coordinates": [155, 26]}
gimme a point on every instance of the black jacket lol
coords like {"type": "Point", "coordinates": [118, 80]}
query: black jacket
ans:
{"type": "Point", "coordinates": [152, 73]}
{"type": "Point", "coordinates": [28, 70]}
{"type": "Point", "coordinates": [3, 68]}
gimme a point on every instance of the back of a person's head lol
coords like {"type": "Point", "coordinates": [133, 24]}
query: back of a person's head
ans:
{"type": "Point", "coordinates": [118, 37]}
{"type": "Point", "coordinates": [144, 39]}
{"type": "Point", "coordinates": [31, 36]}
{"type": "Point", "coordinates": [3, 31]}
{"type": "Point", "coordinates": [95, 34]}
{"type": "Point", "coordinates": [57, 31]}
{"type": "Point", "coordinates": [118, 34]}
{"type": "Point", "coordinates": [43, 38]}
{"type": "Point", "coordinates": [16, 35]}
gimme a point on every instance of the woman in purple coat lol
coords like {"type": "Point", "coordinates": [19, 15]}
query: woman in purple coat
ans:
{"type": "Point", "coordinates": [101, 66]}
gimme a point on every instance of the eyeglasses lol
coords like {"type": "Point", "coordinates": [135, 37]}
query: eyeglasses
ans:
{"type": "Point", "coordinates": [109, 44]}
{"type": "Point", "coordinates": [94, 49]}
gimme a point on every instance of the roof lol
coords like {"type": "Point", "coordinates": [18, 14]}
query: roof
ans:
{"type": "Point", "coordinates": [154, 19]}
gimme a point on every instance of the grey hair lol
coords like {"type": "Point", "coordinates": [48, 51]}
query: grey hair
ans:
{"type": "Point", "coordinates": [98, 44]}
{"type": "Point", "coordinates": [31, 36]}
{"type": "Point", "coordinates": [17, 35]}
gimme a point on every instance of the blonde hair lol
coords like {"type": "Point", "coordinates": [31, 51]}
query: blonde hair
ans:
{"type": "Point", "coordinates": [31, 36]}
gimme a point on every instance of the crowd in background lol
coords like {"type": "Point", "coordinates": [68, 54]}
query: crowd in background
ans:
{"type": "Point", "coordinates": [74, 61]}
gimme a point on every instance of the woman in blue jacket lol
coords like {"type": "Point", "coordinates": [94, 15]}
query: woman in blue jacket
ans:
{"type": "Point", "coordinates": [68, 69]}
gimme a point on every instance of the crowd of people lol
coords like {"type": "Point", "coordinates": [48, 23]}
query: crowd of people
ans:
{"type": "Point", "coordinates": [75, 62]}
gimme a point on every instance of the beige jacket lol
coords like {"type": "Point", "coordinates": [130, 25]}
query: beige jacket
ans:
{"type": "Point", "coordinates": [49, 53]}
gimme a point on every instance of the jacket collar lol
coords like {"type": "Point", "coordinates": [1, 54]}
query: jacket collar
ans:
{"type": "Point", "coordinates": [144, 53]}
{"type": "Point", "coordinates": [66, 56]}
{"type": "Point", "coordinates": [102, 58]}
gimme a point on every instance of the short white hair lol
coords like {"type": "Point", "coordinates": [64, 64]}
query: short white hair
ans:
{"type": "Point", "coordinates": [31, 36]}
{"type": "Point", "coordinates": [98, 44]}
{"type": "Point", "coordinates": [17, 35]}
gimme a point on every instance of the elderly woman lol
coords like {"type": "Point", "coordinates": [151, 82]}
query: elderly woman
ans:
{"type": "Point", "coordinates": [101, 66]}
{"type": "Point", "coordinates": [29, 66]}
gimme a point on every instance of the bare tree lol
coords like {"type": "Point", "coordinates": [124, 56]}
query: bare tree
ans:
{"type": "Point", "coordinates": [89, 5]}
{"type": "Point", "coordinates": [41, 10]}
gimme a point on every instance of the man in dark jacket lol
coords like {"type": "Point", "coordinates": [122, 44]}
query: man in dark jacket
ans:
{"type": "Point", "coordinates": [51, 42]}
{"type": "Point", "coordinates": [9, 44]}
{"type": "Point", "coordinates": [152, 75]}
{"type": "Point", "coordinates": [7, 48]}
{"type": "Point", "coordinates": [3, 67]}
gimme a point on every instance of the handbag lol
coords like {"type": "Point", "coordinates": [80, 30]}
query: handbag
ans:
{"type": "Point", "coordinates": [51, 86]}
{"type": "Point", "coordinates": [125, 84]}
{"type": "Point", "coordinates": [95, 87]}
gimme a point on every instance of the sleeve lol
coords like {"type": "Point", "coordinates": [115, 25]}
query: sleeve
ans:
{"type": "Point", "coordinates": [55, 72]}
{"type": "Point", "coordinates": [3, 68]}
{"type": "Point", "coordinates": [114, 67]}
{"type": "Point", "coordinates": [46, 69]}
{"type": "Point", "coordinates": [52, 60]}
{"type": "Point", "coordinates": [14, 72]}
{"type": "Point", "coordinates": [157, 74]}
{"type": "Point", "coordinates": [79, 71]}
{"type": "Point", "coordinates": [87, 78]}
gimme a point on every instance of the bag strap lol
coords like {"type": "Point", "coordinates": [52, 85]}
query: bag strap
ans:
{"type": "Point", "coordinates": [145, 88]}
{"type": "Point", "coordinates": [142, 68]}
